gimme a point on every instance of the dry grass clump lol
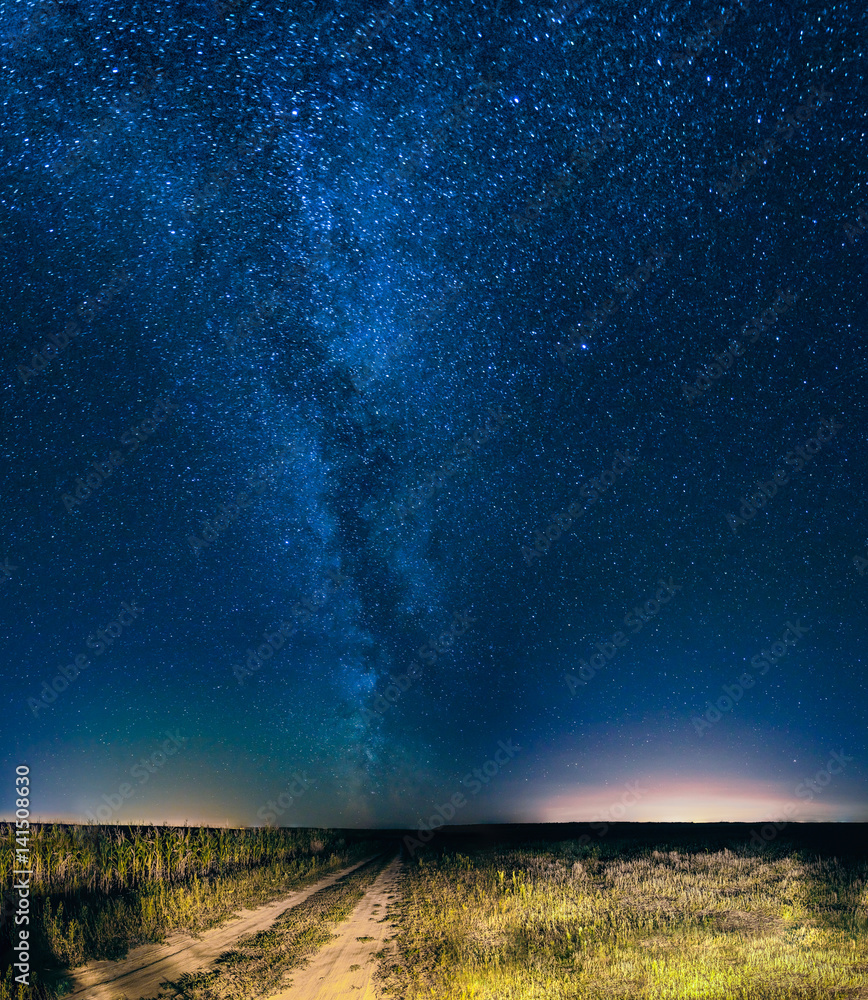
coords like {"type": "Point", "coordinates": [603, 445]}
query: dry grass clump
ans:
{"type": "Point", "coordinates": [556, 923]}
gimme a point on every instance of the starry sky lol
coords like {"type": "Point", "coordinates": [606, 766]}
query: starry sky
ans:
{"type": "Point", "coordinates": [396, 394]}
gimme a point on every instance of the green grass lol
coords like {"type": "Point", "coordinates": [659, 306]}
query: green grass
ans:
{"type": "Point", "coordinates": [576, 922]}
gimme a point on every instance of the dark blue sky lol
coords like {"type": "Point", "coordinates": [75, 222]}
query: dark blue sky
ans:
{"type": "Point", "coordinates": [431, 362]}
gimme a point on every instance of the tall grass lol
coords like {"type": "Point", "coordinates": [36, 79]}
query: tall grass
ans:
{"type": "Point", "coordinates": [69, 859]}
{"type": "Point", "coordinates": [98, 891]}
{"type": "Point", "coordinates": [569, 922]}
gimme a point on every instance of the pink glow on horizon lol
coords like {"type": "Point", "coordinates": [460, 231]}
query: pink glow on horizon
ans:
{"type": "Point", "coordinates": [695, 800]}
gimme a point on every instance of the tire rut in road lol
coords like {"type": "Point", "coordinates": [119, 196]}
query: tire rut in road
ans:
{"type": "Point", "coordinates": [258, 964]}
{"type": "Point", "coordinates": [345, 967]}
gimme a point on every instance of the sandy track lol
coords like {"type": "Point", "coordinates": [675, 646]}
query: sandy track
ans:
{"type": "Point", "coordinates": [146, 967]}
{"type": "Point", "coordinates": [328, 975]}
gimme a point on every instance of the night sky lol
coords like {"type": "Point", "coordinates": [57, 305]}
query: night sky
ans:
{"type": "Point", "coordinates": [503, 364]}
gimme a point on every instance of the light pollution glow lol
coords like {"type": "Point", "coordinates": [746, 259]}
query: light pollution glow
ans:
{"type": "Point", "coordinates": [699, 800]}
{"type": "Point", "coordinates": [654, 799]}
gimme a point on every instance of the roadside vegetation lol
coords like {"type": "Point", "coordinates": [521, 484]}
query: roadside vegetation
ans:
{"type": "Point", "coordinates": [614, 920]}
{"type": "Point", "coordinates": [97, 891]}
{"type": "Point", "coordinates": [259, 964]}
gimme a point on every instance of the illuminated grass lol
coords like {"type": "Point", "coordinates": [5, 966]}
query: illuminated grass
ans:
{"type": "Point", "coordinates": [98, 891]}
{"type": "Point", "coordinates": [563, 923]}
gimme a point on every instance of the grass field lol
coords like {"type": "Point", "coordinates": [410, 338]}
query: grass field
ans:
{"type": "Point", "coordinates": [617, 920]}
{"type": "Point", "coordinates": [98, 891]}
{"type": "Point", "coordinates": [511, 919]}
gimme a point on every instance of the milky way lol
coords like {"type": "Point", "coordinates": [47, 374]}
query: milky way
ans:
{"type": "Point", "coordinates": [326, 328]}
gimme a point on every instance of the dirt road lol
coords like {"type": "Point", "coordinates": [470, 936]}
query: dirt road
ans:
{"type": "Point", "coordinates": [141, 972]}
{"type": "Point", "coordinates": [345, 968]}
